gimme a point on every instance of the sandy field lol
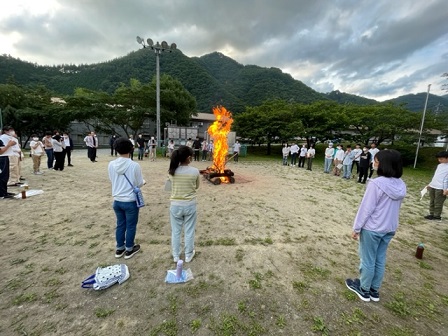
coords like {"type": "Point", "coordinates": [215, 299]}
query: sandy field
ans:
{"type": "Point", "coordinates": [273, 250]}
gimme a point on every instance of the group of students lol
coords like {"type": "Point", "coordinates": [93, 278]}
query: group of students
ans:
{"type": "Point", "coordinates": [125, 175]}
{"type": "Point", "coordinates": [337, 160]}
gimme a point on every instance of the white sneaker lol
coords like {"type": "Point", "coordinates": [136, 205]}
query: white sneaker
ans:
{"type": "Point", "coordinates": [176, 259]}
{"type": "Point", "coordinates": [192, 256]}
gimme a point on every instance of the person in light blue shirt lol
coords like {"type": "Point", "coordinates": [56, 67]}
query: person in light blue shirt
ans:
{"type": "Point", "coordinates": [347, 162]}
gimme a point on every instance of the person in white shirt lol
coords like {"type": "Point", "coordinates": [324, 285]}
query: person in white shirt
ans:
{"type": "Point", "coordinates": [436, 187]}
{"type": "Point", "coordinates": [373, 150]}
{"type": "Point", "coordinates": [329, 152]}
{"type": "Point", "coordinates": [357, 153]}
{"type": "Point", "coordinates": [285, 154]}
{"type": "Point", "coordinates": [37, 150]}
{"type": "Point", "coordinates": [310, 154]}
{"type": "Point", "coordinates": [14, 159]}
{"type": "Point", "coordinates": [68, 148]}
{"type": "Point", "coordinates": [302, 156]}
{"type": "Point", "coordinates": [338, 158]}
{"type": "Point", "coordinates": [236, 151]}
{"type": "Point", "coordinates": [294, 150]}
{"type": "Point", "coordinates": [6, 144]}
{"type": "Point", "coordinates": [92, 144]}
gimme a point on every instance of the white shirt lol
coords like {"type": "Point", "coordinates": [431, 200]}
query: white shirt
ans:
{"type": "Point", "coordinates": [303, 151]}
{"type": "Point", "coordinates": [5, 138]}
{"type": "Point", "coordinates": [357, 152]}
{"type": "Point", "coordinates": [294, 149]}
{"type": "Point", "coordinates": [236, 147]}
{"type": "Point", "coordinates": [373, 151]}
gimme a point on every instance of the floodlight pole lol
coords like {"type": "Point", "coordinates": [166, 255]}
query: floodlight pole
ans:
{"type": "Point", "coordinates": [158, 49]}
{"type": "Point", "coordinates": [421, 126]}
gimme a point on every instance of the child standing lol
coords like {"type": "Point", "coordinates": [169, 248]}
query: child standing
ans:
{"type": "Point", "coordinates": [184, 183]}
{"type": "Point", "coordinates": [37, 150]}
{"type": "Point", "coordinates": [364, 162]}
{"type": "Point", "coordinates": [376, 222]}
{"type": "Point", "coordinates": [435, 187]}
{"type": "Point", "coordinates": [125, 206]}
{"type": "Point", "coordinates": [285, 154]}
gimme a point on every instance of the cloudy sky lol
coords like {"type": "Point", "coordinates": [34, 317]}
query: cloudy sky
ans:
{"type": "Point", "coordinates": [375, 48]}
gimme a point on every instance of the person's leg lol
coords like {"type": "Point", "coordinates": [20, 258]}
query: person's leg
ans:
{"type": "Point", "coordinates": [368, 247]}
{"type": "Point", "coordinates": [120, 230]}
{"type": "Point", "coordinates": [371, 170]}
{"type": "Point", "coordinates": [131, 214]}
{"type": "Point", "coordinates": [176, 220]}
{"type": "Point", "coordinates": [112, 150]}
{"type": "Point", "coordinates": [89, 153]}
{"type": "Point", "coordinates": [432, 196]}
{"type": "Point", "coordinates": [439, 199]}
{"type": "Point", "coordinates": [14, 176]}
{"type": "Point", "coordinates": [380, 263]}
{"type": "Point", "coordinates": [310, 160]}
{"type": "Point", "coordinates": [35, 163]}
{"type": "Point", "coordinates": [69, 156]}
{"type": "Point", "coordinates": [190, 216]}
{"type": "Point", "coordinates": [4, 175]}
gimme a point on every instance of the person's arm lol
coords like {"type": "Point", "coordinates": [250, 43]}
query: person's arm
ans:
{"type": "Point", "coordinates": [366, 208]}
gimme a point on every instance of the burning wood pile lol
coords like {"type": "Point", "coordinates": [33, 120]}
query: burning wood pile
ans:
{"type": "Point", "coordinates": [217, 173]}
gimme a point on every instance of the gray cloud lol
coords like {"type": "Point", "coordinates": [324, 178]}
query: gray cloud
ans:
{"type": "Point", "coordinates": [366, 47]}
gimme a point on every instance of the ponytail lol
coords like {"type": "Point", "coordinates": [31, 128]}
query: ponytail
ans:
{"type": "Point", "coordinates": [179, 156]}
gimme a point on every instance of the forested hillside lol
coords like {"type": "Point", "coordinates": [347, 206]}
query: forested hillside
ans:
{"type": "Point", "coordinates": [212, 79]}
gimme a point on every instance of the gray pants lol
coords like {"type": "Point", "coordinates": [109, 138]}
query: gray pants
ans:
{"type": "Point", "coordinates": [436, 200]}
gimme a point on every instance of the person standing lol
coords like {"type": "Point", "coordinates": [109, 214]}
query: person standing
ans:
{"type": "Point", "coordinates": [14, 158]}
{"type": "Point", "coordinates": [285, 154]}
{"type": "Point", "coordinates": [131, 139]}
{"type": "Point", "coordinates": [6, 144]}
{"type": "Point", "coordinates": [373, 151]}
{"type": "Point", "coordinates": [68, 148]}
{"type": "Point", "coordinates": [59, 154]}
{"type": "Point", "coordinates": [92, 144]}
{"type": "Point", "coordinates": [37, 150]}
{"type": "Point", "coordinates": [185, 181]}
{"type": "Point", "coordinates": [140, 146]}
{"type": "Point", "coordinates": [302, 156]}
{"type": "Point", "coordinates": [338, 158]}
{"type": "Point", "coordinates": [364, 163]}
{"type": "Point", "coordinates": [204, 147]}
{"type": "Point", "coordinates": [329, 152]}
{"type": "Point", "coordinates": [152, 148]}
{"type": "Point", "coordinates": [111, 144]}
{"type": "Point", "coordinates": [196, 148]}
{"type": "Point", "coordinates": [210, 150]}
{"type": "Point", "coordinates": [436, 189]}
{"type": "Point", "coordinates": [376, 222]}
{"type": "Point", "coordinates": [48, 146]}
{"type": "Point", "coordinates": [294, 150]}
{"type": "Point", "coordinates": [125, 205]}
{"type": "Point", "coordinates": [171, 148]}
{"type": "Point", "coordinates": [236, 151]}
{"type": "Point", "coordinates": [357, 154]}
{"type": "Point", "coordinates": [347, 163]}
{"type": "Point", "coordinates": [189, 143]}
{"type": "Point", "coordinates": [310, 154]}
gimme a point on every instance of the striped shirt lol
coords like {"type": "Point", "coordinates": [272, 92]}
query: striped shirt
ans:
{"type": "Point", "coordinates": [184, 184]}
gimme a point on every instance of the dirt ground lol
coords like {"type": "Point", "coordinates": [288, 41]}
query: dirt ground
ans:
{"type": "Point", "coordinates": [273, 250]}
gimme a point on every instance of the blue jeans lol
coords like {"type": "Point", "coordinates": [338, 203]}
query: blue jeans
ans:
{"type": "Point", "coordinates": [347, 171]}
{"type": "Point", "coordinates": [50, 158]}
{"type": "Point", "coordinates": [141, 151]}
{"type": "Point", "coordinates": [372, 252]}
{"type": "Point", "coordinates": [127, 218]}
{"type": "Point", "coordinates": [183, 215]}
{"type": "Point", "coordinates": [327, 165]}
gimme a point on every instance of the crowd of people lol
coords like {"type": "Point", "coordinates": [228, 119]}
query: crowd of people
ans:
{"type": "Point", "coordinates": [337, 161]}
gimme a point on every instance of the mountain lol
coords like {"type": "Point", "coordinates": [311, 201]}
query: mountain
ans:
{"type": "Point", "coordinates": [212, 79]}
{"type": "Point", "coordinates": [416, 102]}
{"type": "Point", "coordinates": [347, 98]}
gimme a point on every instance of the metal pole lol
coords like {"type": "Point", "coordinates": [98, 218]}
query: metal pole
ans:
{"type": "Point", "coordinates": [158, 97]}
{"type": "Point", "coordinates": [421, 126]}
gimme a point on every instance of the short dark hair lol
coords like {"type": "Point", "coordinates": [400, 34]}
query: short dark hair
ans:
{"type": "Point", "coordinates": [123, 146]}
{"type": "Point", "coordinates": [389, 163]}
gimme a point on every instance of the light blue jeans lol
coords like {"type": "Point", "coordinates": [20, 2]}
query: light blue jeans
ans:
{"type": "Point", "coordinates": [372, 252]}
{"type": "Point", "coordinates": [347, 171]}
{"type": "Point", "coordinates": [183, 216]}
{"type": "Point", "coordinates": [127, 218]}
{"type": "Point", "coordinates": [327, 165]}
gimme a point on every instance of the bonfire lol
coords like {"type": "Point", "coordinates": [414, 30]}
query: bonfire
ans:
{"type": "Point", "coordinates": [218, 131]}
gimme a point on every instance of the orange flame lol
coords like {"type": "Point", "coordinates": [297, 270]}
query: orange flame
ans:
{"type": "Point", "coordinates": [218, 132]}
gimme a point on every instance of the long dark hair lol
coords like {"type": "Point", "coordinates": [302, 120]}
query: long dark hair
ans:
{"type": "Point", "coordinates": [179, 156]}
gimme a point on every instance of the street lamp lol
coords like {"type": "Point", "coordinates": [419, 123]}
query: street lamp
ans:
{"type": "Point", "coordinates": [421, 126]}
{"type": "Point", "coordinates": [158, 49]}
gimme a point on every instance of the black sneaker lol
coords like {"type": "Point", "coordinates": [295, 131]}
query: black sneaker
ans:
{"type": "Point", "coordinates": [374, 295]}
{"type": "Point", "coordinates": [119, 253]}
{"type": "Point", "coordinates": [355, 287]}
{"type": "Point", "coordinates": [430, 217]}
{"type": "Point", "coordinates": [130, 254]}
{"type": "Point", "coordinates": [437, 218]}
